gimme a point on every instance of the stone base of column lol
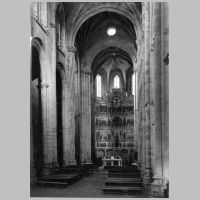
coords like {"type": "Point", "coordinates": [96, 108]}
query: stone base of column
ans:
{"type": "Point", "coordinates": [147, 176]}
{"type": "Point", "coordinates": [46, 169]}
{"type": "Point", "coordinates": [142, 168]}
{"type": "Point", "coordinates": [33, 174]}
{"type": "Point", "coordinates": [72, 162]}
{"type": "Point", "coordinates": [157, 188]}
{"type": "Point", "coordinates": [69, 162]}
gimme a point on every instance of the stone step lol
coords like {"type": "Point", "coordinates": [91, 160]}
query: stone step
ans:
{"type": "Point", "coordinates": [136, 180]}
{"type": "Point", "coordinates": [124, 172]}
{"type": "Point", "coordinates": [123, 175]}
{"type": "Point", "coordinates": [127, 178]}
{"type": "Point", "coordinates": [115, 189]}
{"type": "Point", "coordinates": [51, 184]}
{"type": "Point", "coordinates": [122, 184]}
{"type": "Point", "coordinates": [121, 167]}
{"type": "Point", "coordinates": [68, 178]}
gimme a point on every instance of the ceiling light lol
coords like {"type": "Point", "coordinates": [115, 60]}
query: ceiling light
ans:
{"type": "Point", "coordinates": [111, 31]}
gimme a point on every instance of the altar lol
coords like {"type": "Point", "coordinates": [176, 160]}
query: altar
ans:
{"type": "Point", "coordinates": [105, 160]}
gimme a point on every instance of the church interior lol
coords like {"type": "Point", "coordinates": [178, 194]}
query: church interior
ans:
{"type": "Point", "coordinates": [99, 99]}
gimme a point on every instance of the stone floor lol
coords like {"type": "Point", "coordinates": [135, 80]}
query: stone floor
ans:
{"type": "Point", "coordinates": [86, 187]}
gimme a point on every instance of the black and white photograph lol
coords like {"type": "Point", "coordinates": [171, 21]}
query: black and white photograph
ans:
{"type": "Point", "coordinates": [99, 99]}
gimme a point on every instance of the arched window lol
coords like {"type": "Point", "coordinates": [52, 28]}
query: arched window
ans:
{"type": "Point", "coordinates": [98, 85]}
{"type": "Point", "coordinates": [133, 84]}
{"type": "Point", "coordinates": [116, 81]}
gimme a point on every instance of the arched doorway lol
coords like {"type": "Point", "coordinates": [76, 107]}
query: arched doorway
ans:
{"type": "Point", "coordinates": [59, 98]}
{"type": "Point", "coordinates": [36, 112]}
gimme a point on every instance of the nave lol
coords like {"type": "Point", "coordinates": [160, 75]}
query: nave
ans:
{"type": "Point", "coordinates": [99, 96]}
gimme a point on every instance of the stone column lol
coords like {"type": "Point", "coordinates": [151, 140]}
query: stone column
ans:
{"type": "Point", "coordinates": [85, 139]}
{"type": "Point", "coordinates": [69, 109]}
{"type": "Point", "coordinates": [138, 109]}
{"type": "Point", "coordinates": [143, 129]}
{"type": "Point", "coordinates": [148, 102]}
{"type": "Point", "coordinates": [165, 90]}
{"type": "Point", "coordinates": [33, 174]}
{"type": "Point", "coordinates": [51, 92]}
{"type": "Point", "coordinates": [48, 138]}
{"type": "Point", "coordinates": [157, 164]}
{"type": "Point", "coordinates": [139, 118]}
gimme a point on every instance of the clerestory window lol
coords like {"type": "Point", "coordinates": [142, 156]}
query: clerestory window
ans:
{"type": "Point", "coordinates": [116, 81]}
{"type": "Point", "coordinates": [98, 85]}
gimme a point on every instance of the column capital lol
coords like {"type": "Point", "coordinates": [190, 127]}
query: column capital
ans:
{"type": "Point", "coordinates": [84, 71]}
{"type": "Point", "coordinates": [43, 85]}
{"type": "Point", "coordinates": [53, 25]}
{"type": "Point", "coordinates": [71, 49]}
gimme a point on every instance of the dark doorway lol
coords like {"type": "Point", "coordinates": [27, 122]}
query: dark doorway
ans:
{"type": "Point", "coordinates": [59, 118]}
{"type": "Point", "coordinates": [36, 112]}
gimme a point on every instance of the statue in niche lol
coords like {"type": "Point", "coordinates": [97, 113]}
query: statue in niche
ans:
{"type": "Point", "coordinates": [106, 139]}
{"type": "Point", "coordinates": [98, 135]}
{"type": "Point", "coordinates": [108, 122]}
{"type": "Point", "coordinates": [120, 133]}
{"type": "Point", "coordinates": [97, 108]}
{"type": "Point", "coordinates": [109, 137]}
{"type": "Point", "coordinates": [124, 121]}
{"type": "Point", "coordinates": [124, 136]}
{"type": "Point", "coordinates": [100, 108]}
{"type": "Point", "coordinates": [105, 121]}
{"type": "Point", "coordinates": [116, 121]}
{"type": "Point", "coordinates": [116, 140]}
{"type": "Point", "coordinates": [118, 109]}
{"type": "Point", "coordinates": [96, 121]}
{"type": "Point", "coordinates": [101, 137]}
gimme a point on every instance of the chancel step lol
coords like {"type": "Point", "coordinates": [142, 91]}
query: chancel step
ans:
{"type": "Point", "coordinates": [123, 182]}
{"type": "Point", "coordinates": [67, 178]}
{"type": "Point", "coordinates": [51, 184]}
{"type": "Point", "coordinates": [121, 189]}
{"type": "Point", "coordinates": [123, 175]}
{"type": "Point", "coordinates": [123, 170]}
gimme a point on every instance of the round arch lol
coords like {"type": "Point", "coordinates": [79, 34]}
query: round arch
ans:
{"type": "Point", "coordinates": [102, 8]}
{"type": "Point", "coordinates": [38, 44]}
{"type": "Point", "coordinates": [60, 68]}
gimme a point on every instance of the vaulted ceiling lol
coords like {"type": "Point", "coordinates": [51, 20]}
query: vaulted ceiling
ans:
{"type": "Point", "coordinates": [111, 58]}
{"type": "Point", "coordinates": [94, 30]}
